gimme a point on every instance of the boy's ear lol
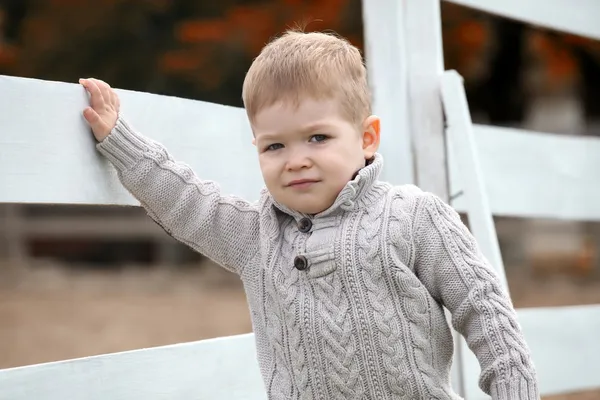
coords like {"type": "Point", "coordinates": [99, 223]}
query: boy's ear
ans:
{"type": "Point", "coordinates": [370, 136]}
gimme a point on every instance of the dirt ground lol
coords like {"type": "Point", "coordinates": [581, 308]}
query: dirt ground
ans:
{"type": "Point", "coordinates": [48, 313]}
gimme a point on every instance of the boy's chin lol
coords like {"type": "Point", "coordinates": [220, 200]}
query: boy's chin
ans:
{"type": "Point", "coordinates": [304, 204]}
{"type": "Point", "coordinates": [308, 208]}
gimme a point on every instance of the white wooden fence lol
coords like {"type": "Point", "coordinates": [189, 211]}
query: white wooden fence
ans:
{"type": "Point", "coordinates": [47, 155]}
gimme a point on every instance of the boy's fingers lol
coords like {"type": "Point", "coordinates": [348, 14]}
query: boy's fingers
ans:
{"type": "Point", "coordinates": [104, 89]}
{"type": "Point", "coordinates": [100, 114]}
{"type": "Point", "coordinates": [114, 100]}
{"type": "Point", "coordinates": [96, 98]}
{"type": "Point", "coordinates": [91, 116]}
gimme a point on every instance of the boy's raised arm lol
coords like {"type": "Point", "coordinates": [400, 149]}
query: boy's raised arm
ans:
{"type": "Point", "coordinates": [193, 211]}
{"type": "Point", "coordinates": [451, 266]}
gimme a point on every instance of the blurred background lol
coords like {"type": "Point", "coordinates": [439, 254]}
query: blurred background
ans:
{"type": "Point", "coordinates": [91, 280]}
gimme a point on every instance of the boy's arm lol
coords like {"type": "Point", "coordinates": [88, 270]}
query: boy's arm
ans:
{"type": "Point", "coordinates": [191, 210]}
{"type": "Point", "coordinates": [451, 266]}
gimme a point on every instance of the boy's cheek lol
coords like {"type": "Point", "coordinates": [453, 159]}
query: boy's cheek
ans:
{"type": "Point", "coordinates": [269, 176]}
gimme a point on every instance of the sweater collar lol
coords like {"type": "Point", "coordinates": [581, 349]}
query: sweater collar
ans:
{"type": "Point", "coordinates": [358, 192]}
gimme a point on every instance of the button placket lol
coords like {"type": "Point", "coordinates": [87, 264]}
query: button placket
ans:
{"type": "Point", "coordinates": [301, 262]}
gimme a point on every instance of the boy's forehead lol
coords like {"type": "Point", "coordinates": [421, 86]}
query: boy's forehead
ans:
{"type": "Point", "coordinates": [285, 117]}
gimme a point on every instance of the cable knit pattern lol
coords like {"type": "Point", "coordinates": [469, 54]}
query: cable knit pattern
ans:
{"type": "Point", "coordinates": [190, 210]}
{"type": "Point", "coordinates": [387, 324]}
{"type": "Point", "coordinates": [348, 303]}
{"type": "Point", "coordinates": [279, 379]}
{"type": "Point", "coordinates": [481, 309]}
{"type": "Point", "coordinates": [339, 345]}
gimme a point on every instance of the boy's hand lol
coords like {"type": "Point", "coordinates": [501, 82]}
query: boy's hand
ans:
{"type": "Point", "coordinates": [104, 107]}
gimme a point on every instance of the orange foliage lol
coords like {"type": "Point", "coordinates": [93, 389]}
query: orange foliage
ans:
{"type": "Point", "coordinates": [59, 3]}
{"type": "Point", "coordinates": [472, 34]}
{"type": "Point", "coordinates": [250, 27]}
{"type": "Point", "coordinates": [246, 28]}
{"type": "Point", "coordinates": [8, 55]}
{"type": "Point", "coordinates": [327, 10]}
{"type": "Point", "coordinates": [253, 25]}
{"type": "Point", "coordinates": [182, 60]}
{"type": "Point", "coordinates": [560, 64]}
{"type": "Point", "coordinates": [201, 30]}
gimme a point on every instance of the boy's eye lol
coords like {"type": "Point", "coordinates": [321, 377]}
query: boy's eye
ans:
{"type": "Point", "coordinates": [274, 146]}
{"type": "Point", "coordinates": [318, 138]}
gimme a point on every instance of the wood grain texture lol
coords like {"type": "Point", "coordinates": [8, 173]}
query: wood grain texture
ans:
{"type": "Point", "coordinates": [387, 63]}
{"type": "Point", "coordinates": [424, 52]}
{"type": "Point", "coordinates": [48, 154]}
{"type": "Point", "coordinates": [580, 17]}
{"type": "Point", "coordinates": [536, 175]}
{"type": "Point", "coordinates": [563, 340]}
{"type": "Point", "coordinates": [223, 368]}
{"type": "Point", "coordinates": [461, 144]}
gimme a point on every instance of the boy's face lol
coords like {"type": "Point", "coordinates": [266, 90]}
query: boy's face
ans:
{"type": "Point", "coordinates": [308, 154]}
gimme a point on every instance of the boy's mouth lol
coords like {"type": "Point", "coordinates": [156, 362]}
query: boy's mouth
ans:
{"type": "Point", "coordinates": [302, 183]}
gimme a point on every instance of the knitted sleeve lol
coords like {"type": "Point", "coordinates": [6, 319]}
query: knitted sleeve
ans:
{"type": "Point", "coordinates": [191, 210]}
{"type": "Point", "coordinates": [450, 265]}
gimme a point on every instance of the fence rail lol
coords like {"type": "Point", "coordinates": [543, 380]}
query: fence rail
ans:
{"type": "Point", "coordinates": [536, 175]}
{"type": "Point", "coordinates": [579, 17]}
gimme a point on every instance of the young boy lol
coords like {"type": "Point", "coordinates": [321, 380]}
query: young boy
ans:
{"type": "Point", "coordinates": [346, 276]}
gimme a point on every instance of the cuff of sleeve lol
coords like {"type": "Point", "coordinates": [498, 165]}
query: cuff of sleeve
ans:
{"type": "Point", "coordinates": [124, 147]}
{"type": "Point", "coordinates": [522, 389]}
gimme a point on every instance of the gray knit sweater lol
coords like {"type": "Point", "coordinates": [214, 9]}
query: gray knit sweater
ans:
{"type": "Point", "coordinates": [347, 304]}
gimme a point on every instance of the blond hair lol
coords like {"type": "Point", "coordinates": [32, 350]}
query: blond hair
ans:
{"type": "Point", "coordinates": [318, 65]}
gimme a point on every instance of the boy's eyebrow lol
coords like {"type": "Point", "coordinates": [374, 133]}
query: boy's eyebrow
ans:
{"type": "Point", "coordinates": [267, 137]}
{"type": "Point", "coordinates": [315, 127]}
{"type": "Point", "coordinates": [274, 136]}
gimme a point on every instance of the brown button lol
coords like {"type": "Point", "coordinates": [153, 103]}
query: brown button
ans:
{"type": "Point", "coordinates": [300, 263]}
{"type": "Point", "coordinates": [304, 225]}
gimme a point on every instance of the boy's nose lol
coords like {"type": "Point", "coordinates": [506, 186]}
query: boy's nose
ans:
{"type": "Point", "coordinates": [297, 161]}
